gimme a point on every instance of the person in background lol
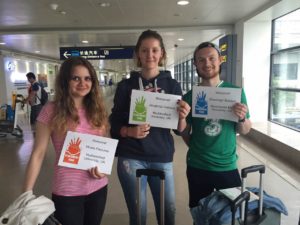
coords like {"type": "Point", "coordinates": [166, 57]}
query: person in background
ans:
{"type": "Point", "coordinates": [79, 195]}
{"type": "Point", "coordinates": [142, 146]}
{"type": "Point", "coordinates": [34, 96]}
{"type": "Point", "coordinates": [110, 84]}
{"type": "Point", "coordinates": [211, 158]}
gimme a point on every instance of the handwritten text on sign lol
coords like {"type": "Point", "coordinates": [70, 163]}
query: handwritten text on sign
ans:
{"type": "Point", "coordinates": [84, 151]}
{"type": "Point", "coordinates": [215, 103]}
{"type": "Point", "coordinates": [157, 109]}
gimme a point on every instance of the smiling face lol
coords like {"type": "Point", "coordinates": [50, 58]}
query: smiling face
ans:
{"type": "Point", "coordinates": [81, 83]}
{"type": "Point", "coordinates": [150, 53]}
{"type": "Point", "coordinates": [207, 62]}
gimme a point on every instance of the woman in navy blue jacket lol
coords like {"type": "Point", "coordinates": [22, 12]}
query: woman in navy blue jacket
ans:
{"type": "Point", "coordinates": [142, 146]}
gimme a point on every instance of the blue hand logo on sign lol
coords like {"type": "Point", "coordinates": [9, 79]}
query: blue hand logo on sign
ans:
{"type": "Point", "coordinates": [201, 104]}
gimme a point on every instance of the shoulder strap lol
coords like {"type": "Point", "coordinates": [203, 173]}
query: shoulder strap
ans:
{"type": "Point", "coordinates": [40, 89]}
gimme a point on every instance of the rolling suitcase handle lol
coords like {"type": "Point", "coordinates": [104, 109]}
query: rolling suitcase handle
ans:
{"type": "Point", "coordinates": [150, 172]}
{"type": "Point", "coordinates": [161, 175]}
{"type": "Point", "coordinates": [244, 173]}
{"type": "Point", "coordinates": [245, 196]}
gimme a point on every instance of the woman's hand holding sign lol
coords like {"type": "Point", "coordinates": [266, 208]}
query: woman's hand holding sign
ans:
{"type": "Point", "coordinates": [94, 171]}
{"type": "Point", "coordinates": [183, 111]}
{"type": "Point", "coordinates": [140, 131]}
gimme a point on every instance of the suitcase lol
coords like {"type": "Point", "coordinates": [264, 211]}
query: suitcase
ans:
{"type": "Point", "coordinates": [161, 175]}
{"type": "Point", "coordinates": [258, 217]}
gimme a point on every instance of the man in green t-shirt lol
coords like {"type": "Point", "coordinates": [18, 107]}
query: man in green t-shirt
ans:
{"type": "Point", "coordinates": [211, 158]}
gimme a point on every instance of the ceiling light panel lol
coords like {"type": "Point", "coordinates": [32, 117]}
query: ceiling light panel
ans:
{"type": "Point", "coordinates": [183, 3]}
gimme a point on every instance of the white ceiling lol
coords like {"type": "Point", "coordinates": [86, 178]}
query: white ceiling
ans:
{"type": "Point", "coordinates": [32, 25]}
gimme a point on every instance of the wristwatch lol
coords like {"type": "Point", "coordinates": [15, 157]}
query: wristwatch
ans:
{"type": "Point", "coordinates": [242, 120]}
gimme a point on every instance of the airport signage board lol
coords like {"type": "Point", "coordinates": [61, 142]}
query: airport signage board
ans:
{"type": "Point", "coordinates": [97, 53]}
{"type": "Point", "coordinates": [228, 48]}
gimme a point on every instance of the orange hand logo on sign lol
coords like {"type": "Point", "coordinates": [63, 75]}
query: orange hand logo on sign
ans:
{"type": "Point", "coordinates": [72, 154]}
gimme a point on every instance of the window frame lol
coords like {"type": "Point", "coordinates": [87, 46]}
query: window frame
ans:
{"type": "Point", "coordinates": [272, 88]}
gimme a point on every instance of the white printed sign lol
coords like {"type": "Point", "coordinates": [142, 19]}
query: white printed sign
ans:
{"type": "Point", "coordinates": [157, 109]}
{"type": "Point", "coordinates": [215, 103]}
{"type": "Point", "coordinates": [84, 151]}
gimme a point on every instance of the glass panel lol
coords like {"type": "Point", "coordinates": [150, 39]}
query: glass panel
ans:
{"type": "Point", "coordinates": [183, 76]}
{"type": "Point", "coordinates": [287, 31]}
{"type": "Point", "coordinates": [187, 80]}
{"type": "Point", "coordinates": [179, 73]}
{"type": "Point", "coordinates": [188, 63]}
{"type": "Point", "coordinates": [285, 108]}
{"type": "Point", "coordinates": [285, 69]}
{"type": "Point", "coordinates": [176, 72]}
{"type": "Point", "coordinates": [190, 80]}
{"type": "Point", "coordinates": [196, 77]}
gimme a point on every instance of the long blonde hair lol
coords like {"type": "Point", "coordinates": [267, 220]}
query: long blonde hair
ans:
{"type": "Point", "coordinates": [65, 110]}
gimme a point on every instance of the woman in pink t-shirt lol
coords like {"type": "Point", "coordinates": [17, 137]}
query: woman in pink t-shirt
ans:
{"type": "Point", "coordinates": [79, 195]}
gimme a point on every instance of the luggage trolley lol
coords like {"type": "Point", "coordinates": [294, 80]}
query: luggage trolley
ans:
{"type": "Point", "coordinates": [161, 175]}
{"type": "Point", "coordinates": [10, 126]}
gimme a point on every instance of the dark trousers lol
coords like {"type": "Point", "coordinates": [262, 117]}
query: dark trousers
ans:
{"type": "Point", "coordinates": [202, 182]}
{"type": "Point", "coordinates": [80, 210]}
{"type": "Point", "coordinates": [35, 110]}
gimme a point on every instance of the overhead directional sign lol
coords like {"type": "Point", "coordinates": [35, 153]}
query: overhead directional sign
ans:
{"type": "Point", "coordinates": [96, 53]}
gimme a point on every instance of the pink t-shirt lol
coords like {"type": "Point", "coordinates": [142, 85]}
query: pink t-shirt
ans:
{"type": "Point", "coordinates": [69, 181]}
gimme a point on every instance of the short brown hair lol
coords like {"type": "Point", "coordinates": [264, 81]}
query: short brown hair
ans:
{"type": "Point", "coordinates": [205, 45]}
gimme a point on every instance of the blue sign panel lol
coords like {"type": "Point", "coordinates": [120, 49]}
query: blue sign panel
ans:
{"type": "Point", "coordinates": [97, 53]}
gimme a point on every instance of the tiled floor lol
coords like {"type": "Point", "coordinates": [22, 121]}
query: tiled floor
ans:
{"type": "Point", "coordinates": [280, 180]}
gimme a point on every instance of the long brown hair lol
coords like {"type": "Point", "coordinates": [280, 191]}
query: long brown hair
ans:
{"type": "Point", "coordinates": [93, 102]}
{"type": "Point", "coordinates": [145, 35]}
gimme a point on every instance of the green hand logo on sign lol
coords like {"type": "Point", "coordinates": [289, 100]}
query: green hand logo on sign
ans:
{"type": "Point", "coordinates": [140, 110]}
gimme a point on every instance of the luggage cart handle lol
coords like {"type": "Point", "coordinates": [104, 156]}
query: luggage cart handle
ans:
{"type": "Point", "coordinates": [150, 172]}
{"type": "Point", "coordinates": [251, 169]}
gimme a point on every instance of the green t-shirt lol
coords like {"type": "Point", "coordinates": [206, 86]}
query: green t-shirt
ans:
{"type": "Point", "coordinates": [213, 142]}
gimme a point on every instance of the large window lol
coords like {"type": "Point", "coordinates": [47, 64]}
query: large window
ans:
{"type": "Point", "coordinates": [185, 74]}
{"type": "Point", "coordinates": [285, 71]}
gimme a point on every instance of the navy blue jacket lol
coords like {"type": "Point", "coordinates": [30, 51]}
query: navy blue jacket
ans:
{"type": "Point", "coordinates": [158, 146]}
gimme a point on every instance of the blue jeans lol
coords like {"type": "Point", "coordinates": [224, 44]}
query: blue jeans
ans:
{"type": "Point", "coordinates": [127, 176]}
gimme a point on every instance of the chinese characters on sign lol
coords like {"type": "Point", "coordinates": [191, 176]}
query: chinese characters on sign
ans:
{"type": "Point", "coordinates": [96, 53]}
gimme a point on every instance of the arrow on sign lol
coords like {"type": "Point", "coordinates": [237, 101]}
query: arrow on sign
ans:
{"type": "Point", "coordinates": [66, 54]}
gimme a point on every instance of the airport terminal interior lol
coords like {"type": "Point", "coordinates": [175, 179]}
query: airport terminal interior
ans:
{"type": "Point", "coordinates": [259, 42]}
